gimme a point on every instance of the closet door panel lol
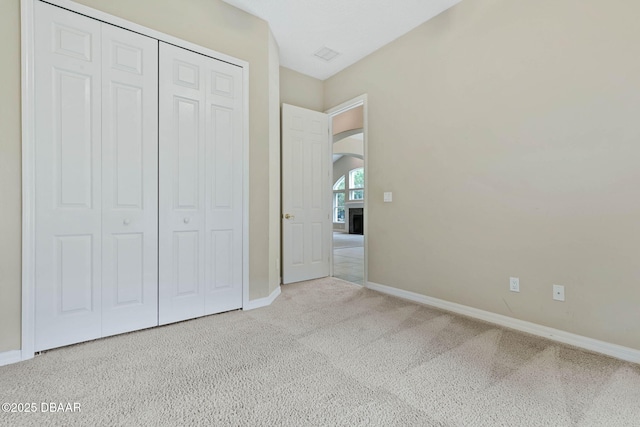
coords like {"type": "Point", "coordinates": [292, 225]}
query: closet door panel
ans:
{"type": "Point", "coordinates": [181, 184]}
{"type": "Point", "coordinates": [68, 178]}
{"type": "Point", "coordinates": [224, 99]}
{"type": "Point", "coordinates": [129, 181]}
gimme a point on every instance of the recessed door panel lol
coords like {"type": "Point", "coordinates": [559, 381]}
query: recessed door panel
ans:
{"type": "Point", "coordinates": [297, 122]}
{"type": "Point", "coordinates": [317, 127]}
{"type": "Point", "coordinates": [72, 40]}
{"type": "Point", "coordinates": [127, 132]}
{"type": "Point", "coordinates": [221, 262]}
{"type": "Point", "coordinates": [297, 244]}
{"type": "Point", "coordinates": [73, 130]}
{"type": "Point", "coordinates": [187, 74]}
{"type": "Point", "coordinates": [316, 179]}
{"type": "Point", "coordinates": [187, 153]}
{"type": "Point", "coordinates": [222, 152]}
{"type": "Point", "coordinates": [317, 243]}
{"type": "Point", "coordinates": [129, 269]}
{"type": "Point", "coordinates": [74, 274]}
{"type": "Point", "coordinates": [297, 175]}
{"type": "Point", "coordinates": [127, 58]}
{"type": "Point", "coordinates": [223, 85]}
{"type": "Point", "coordinates": [185, 258]}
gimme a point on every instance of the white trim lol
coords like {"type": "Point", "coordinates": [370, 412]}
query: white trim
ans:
{"type": "Point", "coordinates": [609, 349]}
{"type": "Point", "coordinates": [28, 167]}
{"type": "Point", "coordinates": [28, 181]}
{"type": "Point", "coordinates": [245, 188]}
{"type": "Point", "coordinates": [10, 357]}
{"type": "Point", "coordinates": [352, 103]}
{"type": "Point", "coordinates": [263, 302]}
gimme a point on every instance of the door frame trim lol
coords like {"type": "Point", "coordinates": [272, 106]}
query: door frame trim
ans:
{"type": "Point", "coordinates": [348, 105]}
{"type": "Point", "coordinates": [27, 44]}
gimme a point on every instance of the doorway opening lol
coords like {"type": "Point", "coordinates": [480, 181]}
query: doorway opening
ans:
{"type": "Point", "coordinates": [348, 131]}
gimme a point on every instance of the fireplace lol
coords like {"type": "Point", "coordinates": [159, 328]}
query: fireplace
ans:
{"type": "Point", "coordinates": [356, 221]}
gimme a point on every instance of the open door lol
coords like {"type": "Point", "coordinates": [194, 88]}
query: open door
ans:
{"type": "Point", "coordinates": [306, 208]}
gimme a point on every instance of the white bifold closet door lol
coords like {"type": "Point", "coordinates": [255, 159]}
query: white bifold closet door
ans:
{"type": "Point", "coordinates": [200, 186]}
{"type": "Point", "coordinates": [129, 181]}
{"type": "Point", "coordinates": [95, 179]}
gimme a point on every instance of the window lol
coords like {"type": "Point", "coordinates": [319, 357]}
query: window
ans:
{"type": "Point", "coordinates": [356, 181]}
{"type": "Point", "coordinates": [338, 207]}
{"type": "Point", "coordinates": [338, 200]}
{"type": "Point", "coordinates": [353, 187]}
{"type": "Point", "coordinates": [356, 195]}
{"type": "Point", "coordinates": [356, 178]}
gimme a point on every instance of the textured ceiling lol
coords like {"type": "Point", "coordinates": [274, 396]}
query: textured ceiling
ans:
{"type": "Point", "coordinates": [354, 28]}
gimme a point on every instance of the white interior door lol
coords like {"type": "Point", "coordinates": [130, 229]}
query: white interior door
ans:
{"type": "Point", "coordinates": [306, 226]}
{"type": "Point", "coordinates": [129, 181]}
{"type": "Point", "coordinates": [200, 185]}
{"type": "Point", "coordinates": [67, 178]}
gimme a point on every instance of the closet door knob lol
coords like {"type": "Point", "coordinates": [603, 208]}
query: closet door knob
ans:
{"type": "Point", "coordinates": [186, 220]}
{"type": "Point", "coordinates": [127, 221]}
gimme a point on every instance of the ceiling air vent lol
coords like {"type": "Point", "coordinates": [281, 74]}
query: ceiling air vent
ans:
{"type": "Point", "coordinates": [326, 54]}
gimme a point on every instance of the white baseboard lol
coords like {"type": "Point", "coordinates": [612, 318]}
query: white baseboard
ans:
{"type": "Point", "coordinates": [263, 302]}
{"type": "Point", "coordinates": [14, 356]}
{"type": "Point", "coordinates": [614, 350]}
{"type": "Point", "coordinates": [9, 357]}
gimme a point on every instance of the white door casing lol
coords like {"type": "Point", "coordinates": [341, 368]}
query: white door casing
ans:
{"type": "Point", "coordinates": [129, 181]}
{"type": "Point", "coordinates": [68, 178]}
{"type": "Point", "coordinates": [200, 185]}
{"type": "Point", "coordinates": [306, 222]}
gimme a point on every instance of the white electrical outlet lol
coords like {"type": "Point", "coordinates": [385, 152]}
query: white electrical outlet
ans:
{"type": "Point", "coordinates": [388, 197]}
{"type": "Point", "coordinates": [514, 284]}
{"type": "Point", "coordinates": [558, 292]}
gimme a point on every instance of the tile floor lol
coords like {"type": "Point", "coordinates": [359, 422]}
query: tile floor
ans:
{"type": "Point", "coordinates": [348, 257]}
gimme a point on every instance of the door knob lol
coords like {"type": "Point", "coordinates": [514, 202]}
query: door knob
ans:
{"type": "Point", "coordinates": [287, 216]}
{"type": "Point", "coordinates": [186, 220]}
{"type": "Point", "coordinates": [126, 221]}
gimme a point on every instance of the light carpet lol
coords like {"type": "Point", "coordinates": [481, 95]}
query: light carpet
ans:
{"type": "Point", "coordinates": [345, 240]}
{"type": "Point", "coordinates": [326, 352]}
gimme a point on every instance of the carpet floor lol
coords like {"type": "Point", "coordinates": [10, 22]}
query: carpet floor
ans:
{"type": "Point", "coordinates": [345, 240]}
{"type": "Point", "coordinates": [326, 352]}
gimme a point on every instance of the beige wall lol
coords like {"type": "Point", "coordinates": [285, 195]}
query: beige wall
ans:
{"type": "Point", "coordinates": [10, 173]}
{"type": "Point", "coordinates": [349, 120]}
{"type": "Point", "coordinates": [300, 90]}
{"type": "Point", "coordinates": [210, 23]}
{"type": "Point", "coordinates": [274, 164]}
{"type": "Point", "coordinates": [349, 145]}
{"type": "Point", "coordinates": [509, 133]}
